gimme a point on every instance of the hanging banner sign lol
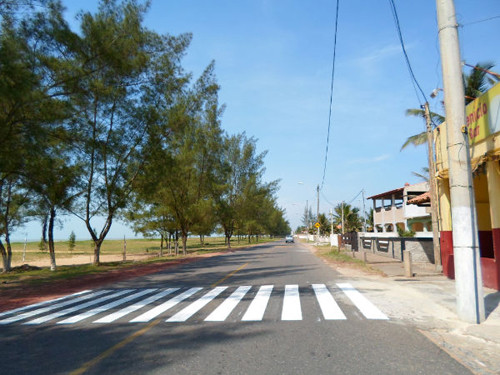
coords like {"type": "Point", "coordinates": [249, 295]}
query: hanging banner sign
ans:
{"type": "Point", "coordinates": [483, 115]}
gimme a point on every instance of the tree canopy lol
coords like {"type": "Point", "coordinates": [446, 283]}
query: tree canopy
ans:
{"type": "Point", "coordinates": [105, 122]}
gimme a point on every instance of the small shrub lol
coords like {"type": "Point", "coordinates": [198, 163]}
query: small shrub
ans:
{"type": "Point", "coordinates": [405, 233]}
{"type": "Point", "coordinates": [72, 241]}
{"type": "Point", "coordinates": [42, 245]}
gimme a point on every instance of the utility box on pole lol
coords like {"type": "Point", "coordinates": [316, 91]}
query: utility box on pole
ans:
{"type": "Point", "coordinates": [469, 289]}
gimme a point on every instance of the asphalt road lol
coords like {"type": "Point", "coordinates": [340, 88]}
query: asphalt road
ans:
{"type": "Point", "coordinates": [265, 310]}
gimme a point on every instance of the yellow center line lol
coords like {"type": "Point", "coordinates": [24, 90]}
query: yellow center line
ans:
{"type": "Point", "coordinates": [114, 348]}
{"type": "Point", "coordinates": [229, 275]}
{"type": "Point", "coordinates": [135, 335]}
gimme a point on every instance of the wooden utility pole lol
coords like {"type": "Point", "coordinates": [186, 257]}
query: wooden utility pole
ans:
{"type": "Point", "coordinates": [470, 301]}
{"type": "Point", "coordinates": [433, 190]}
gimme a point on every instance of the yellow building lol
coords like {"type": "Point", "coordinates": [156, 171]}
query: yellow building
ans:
{"type": "Point", "coordinates": [483, 130]}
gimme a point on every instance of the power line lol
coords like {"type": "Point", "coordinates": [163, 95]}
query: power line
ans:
{"type": "Point", "coordinates": [479, 21]}
{"type": "Point", "coordinates": [400, 35]}
{"type": "Point", "coordinates": [331, 92]}
{"type": "Point", "coordinates": [327, 201]}
{"type": "Point", "coordinates": [331, 204]}
{"type": "Point", "coordinates": [357, 195]}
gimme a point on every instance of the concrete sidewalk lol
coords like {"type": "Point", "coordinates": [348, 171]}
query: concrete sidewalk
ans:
{"type": "Point", "coordinates": [428, 300]}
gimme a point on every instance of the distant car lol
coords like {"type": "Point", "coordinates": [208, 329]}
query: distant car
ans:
{"type": "Point", "coordinates": [288, 239]}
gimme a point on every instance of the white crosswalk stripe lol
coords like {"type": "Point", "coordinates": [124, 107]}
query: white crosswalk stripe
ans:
{"type": "Point", "coordinates": [258, 306]}
{"type": "Point", "coordinates": [29, 314]}
{"type": "Point", "coordinates": [291, 304]}
{"type": "Point", "coordinates": [368, 309]}
{"type": "Point", "coordinates": [147, 316]}
{"type": "Point", "coordinates": [222, 312]}
{"type": "Point", "coordinates": [136, 306]}
{"type": "Point", "coordinates": [329, 308]}
{"type": "Point", "coordinates": [42, 303]}
{"type": "Point", "coordinates": [70, 310]}
{"type": "Point", "coordinates": [100, 309]}
{"type": "Point", "coordinates": [215, 305]}
{"type": "Point", "coordinates": [196, 306]}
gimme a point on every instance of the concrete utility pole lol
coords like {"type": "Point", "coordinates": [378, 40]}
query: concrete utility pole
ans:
{"type": "Point", "coordinates": [317, 210]}
{"type": "Point", "coordinates": [433, 190]}
{"type": "Point", "coordinates": [342, 217]}
{"type": "Point", "coordinates": [364, 212]}
{"type": "Point", "coordinates": [470, 301]}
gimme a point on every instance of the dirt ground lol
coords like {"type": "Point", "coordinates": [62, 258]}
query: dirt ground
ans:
{"type": "Point", "coordinates": [83, 259]}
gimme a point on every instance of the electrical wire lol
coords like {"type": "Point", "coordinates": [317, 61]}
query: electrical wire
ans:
{"type": "Point", "coordinates": [357, 195]}
{"type": "Point", "coordinates": [326, 199]}
{"type": "Point", "coordinates": [331, 204]}
{"type": "Point", "coordinates": [479, 21]}
{"type": "Point", "coordinates": [331, 92]}
{"type": "Point", "coordinates": [408, 64]}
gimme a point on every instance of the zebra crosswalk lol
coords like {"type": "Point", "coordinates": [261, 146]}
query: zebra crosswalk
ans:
{"type": "Point", "coordinates": [208, 304]}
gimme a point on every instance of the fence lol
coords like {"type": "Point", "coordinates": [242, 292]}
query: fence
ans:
{"type": "Point", "coordinates": [421, 249]}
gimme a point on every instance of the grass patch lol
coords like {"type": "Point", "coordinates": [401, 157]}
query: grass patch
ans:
{"type": "Point", "coordinates": [344, 258]}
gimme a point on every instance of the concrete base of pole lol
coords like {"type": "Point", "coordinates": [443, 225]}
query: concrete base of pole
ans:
{"type": "Point", "coordinates": [407, 263]}
{"type": "Point", "coordinates": [469, 286]}
{"type": "Point", "coordinates": [364, 256]}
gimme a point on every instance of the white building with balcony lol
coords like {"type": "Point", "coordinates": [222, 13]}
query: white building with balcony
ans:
{"type": "Point", "coordinates": [391, 210]}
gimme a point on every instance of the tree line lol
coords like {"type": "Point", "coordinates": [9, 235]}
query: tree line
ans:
{"type": "Point", "coordinates": [343, 214]}
{"type": "Point", "coordinates": [105, 122]}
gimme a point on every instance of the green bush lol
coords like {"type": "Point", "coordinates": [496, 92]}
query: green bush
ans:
{"type": "Point", "coordinates": [405, 233]}
{"type": "Point", "coordinates": [72, 241]}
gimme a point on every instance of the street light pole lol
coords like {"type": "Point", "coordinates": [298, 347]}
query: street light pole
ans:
{"type": "Point", "coordinates": [470, 302]}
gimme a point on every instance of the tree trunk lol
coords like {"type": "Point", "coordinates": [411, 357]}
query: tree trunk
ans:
{"type": "Point", "coordinates": [202, 240]}
{"type": "Point", "coordinates": [228, 240]}
{"type": "Point", "coordinates": [6, 257]}
{"type": "Point", "coordinates": [184, 243]}
{"type": "Point", "coordinates": [161, 245]}
{"type": "Point", "coordinates": [52, 250]}
{"type": "Point", "coordinates": [44, 231]}
{"type": "Point", "coordinates": [176, 243]}
{"type": "Point", "coordinates": [169, 243]}
{"type": "Point", "coordinates": [97, 252]}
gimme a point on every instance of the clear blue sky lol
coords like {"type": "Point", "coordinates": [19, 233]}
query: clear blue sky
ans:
{"type": "Point", "coordinates": [273, 62]}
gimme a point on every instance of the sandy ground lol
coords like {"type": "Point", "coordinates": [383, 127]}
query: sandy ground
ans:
{"type": "Point", "coordinates": [83, 259]}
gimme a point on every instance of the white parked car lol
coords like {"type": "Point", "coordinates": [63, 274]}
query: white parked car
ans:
{"type": "Point", "coordinates": [288, 239]}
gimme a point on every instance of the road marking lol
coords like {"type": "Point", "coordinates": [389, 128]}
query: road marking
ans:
{"type": "Point", "coordinates": [70, 310]}
{"type": "Point", "coordinates": [100, 309]}
{"type": "Point", "coordinates": [136, 306]}
{"type": "Point", "coordinates": [132, 300]}
{"type": "Point", "coordinates": [330, 308]}
{"type": "Point", "coordinates": [43, 303]}
{"type": "Point", "coordinates": [49, 308]}
{"type": "Point", "coordinates": [114, 348]}
{"type": "Point", "coordinates": [291, 304]}
{"type": "Point", "coordinates": [196, 306]}
{"type": "Point", "coordinates": [222, 312]}
{"type": "Point", "coordinates": [258, 306]}
{"type": "Point", "coordinates": [148, 315]}
{"type": "Point", "coordinates": [368, 309]}
{"type": "Point", "coordinates": [228, 276]}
